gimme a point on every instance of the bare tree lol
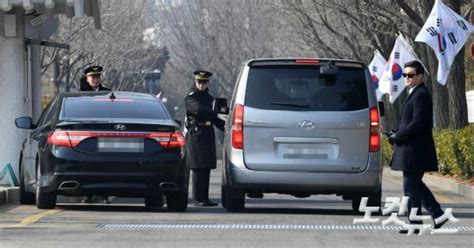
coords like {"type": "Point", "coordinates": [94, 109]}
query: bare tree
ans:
{"type": "Point", "coordinates": [220, 35]}
{"type": "Point", "coordinates": [354, 29]}
{"type": "Point", "coordinates": [118, 46]}
{"type": "Point", "coordinates": [450, 101]}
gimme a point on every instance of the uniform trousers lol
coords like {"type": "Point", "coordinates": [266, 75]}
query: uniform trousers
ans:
{"type": "Point", "coordinates": [201, 179]}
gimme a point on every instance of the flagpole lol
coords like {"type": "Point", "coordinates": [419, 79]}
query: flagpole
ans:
{"type": "Point", "coordinates": [410, 48]}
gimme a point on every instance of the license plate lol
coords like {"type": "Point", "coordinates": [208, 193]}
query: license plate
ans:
{"type": "Point", "coordinates": [133, 145]}
{"type": "Point", "coordinates": [305, 151]}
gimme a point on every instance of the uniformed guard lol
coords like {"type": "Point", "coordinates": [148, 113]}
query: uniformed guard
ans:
{"type": "Point", "coordinates": [92, 81]}
{"type": "Point", "coordinates": [200, 138]}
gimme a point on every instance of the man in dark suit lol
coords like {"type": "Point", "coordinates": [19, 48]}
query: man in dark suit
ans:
{"type": "Point", "coordinates": [92, 80]}
{"type": "Point", "coordinates": [200, 138]}
{"type": "Point", "coordinates": [414, 148]}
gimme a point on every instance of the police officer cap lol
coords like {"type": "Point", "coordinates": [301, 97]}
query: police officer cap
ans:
{"type": "Point", "coordinates": [202, 75]}
{"type": "Point", "coordinates": [93, 70]}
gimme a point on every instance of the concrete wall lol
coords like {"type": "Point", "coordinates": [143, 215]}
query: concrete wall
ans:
{"type": "Point", "coordinates": [20, 66]}
{"type": "Point", "coordinates": [15, 94]}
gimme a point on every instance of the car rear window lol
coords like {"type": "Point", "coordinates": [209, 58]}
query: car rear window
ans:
{"type": "Point", "coordinates": [90, 107]}
{"type": "Point", "coordinates": [300, 88]}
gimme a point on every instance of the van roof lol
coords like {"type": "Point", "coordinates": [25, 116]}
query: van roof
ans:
{"type": "Point", "coordinates": [295, 61]}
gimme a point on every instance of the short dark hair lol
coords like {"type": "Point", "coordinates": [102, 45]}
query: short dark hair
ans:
{"type": "Point", "coordinates": [419, 69]}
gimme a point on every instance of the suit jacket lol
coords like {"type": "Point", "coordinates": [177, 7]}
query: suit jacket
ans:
{"type": "Point", "coordinates": [416, 152]}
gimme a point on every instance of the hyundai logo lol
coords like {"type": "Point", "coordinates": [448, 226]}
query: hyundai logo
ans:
{"type": "Point", "coordinates": [120, 127]}
{"type": "Point", "coordinates": [307, 125]}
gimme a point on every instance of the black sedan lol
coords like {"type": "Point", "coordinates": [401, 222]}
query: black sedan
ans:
{"type": "Point", "coordinates": [119, 144]}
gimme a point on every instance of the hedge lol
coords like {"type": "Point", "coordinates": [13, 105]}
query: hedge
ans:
{"type": "Point", "coordinates": [455, 150]}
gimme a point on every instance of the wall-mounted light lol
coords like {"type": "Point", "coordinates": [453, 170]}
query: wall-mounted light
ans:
{"type": "Point", "coordinates": [27, 5]}
{"type": "Point", "coordinates": [49, 4]}
{"type": "Point", "coordinates": [6, 5]}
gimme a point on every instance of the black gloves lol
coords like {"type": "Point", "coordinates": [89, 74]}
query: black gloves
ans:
{"type": "Point", "coordinates": [394, 138]}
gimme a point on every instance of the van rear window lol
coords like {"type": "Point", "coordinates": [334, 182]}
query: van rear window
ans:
{"type": "Point", "coordinates": [301, 88]}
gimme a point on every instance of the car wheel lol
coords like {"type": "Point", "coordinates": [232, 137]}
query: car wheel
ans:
{"type": "Point", "coordinates": [44, 200]}
{"type": "Point", "coordinates": [178, 201]}
{"type": "Point", "coordinates": [375, 200]}
{"type": "Point", "coordinates": [154, 201]}
{"type": "Point", "coordinates": [234, 199]}
{"type": "Point", "coordinates": [223, 196]}
{"type": "Point", "coordinates": [26, 198]}
{"type": "Point", "coordinates": [223, 182]}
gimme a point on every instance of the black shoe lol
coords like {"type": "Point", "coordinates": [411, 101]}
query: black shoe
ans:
{"type": "Point", "coordinates": [405, 231]}
{"type": "Point", "coordinates": [206, 203]}
{"type": "Point", "coordinates": [439, 225]}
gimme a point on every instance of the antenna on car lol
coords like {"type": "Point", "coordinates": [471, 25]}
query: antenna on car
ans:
{"type": "Point", "coordinates": [112, 96]}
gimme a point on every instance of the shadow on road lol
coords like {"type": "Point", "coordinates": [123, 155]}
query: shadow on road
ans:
{"type": "Point", "coordinates": [7, 207]}
{"type": "Point", "coordinates": [254, 206]}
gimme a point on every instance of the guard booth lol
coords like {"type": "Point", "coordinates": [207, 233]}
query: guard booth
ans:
{"type": "Point", "coordinates": [25, 26]}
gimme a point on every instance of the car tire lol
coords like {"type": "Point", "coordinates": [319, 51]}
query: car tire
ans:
{"type": "Point", "coordinates": [234, 199]}
{"type": "Point", "coordinates": [223, 202]}
{"type": "Point", "coordinates": [223, 182]}
{"type": "Point", "coordinates": [178, 201]}
{"type": "Point", "coordinates": [26, 198]}
{"type": "Point", "coordinates": [44, 200]}
{"type": "Point", "coordinates": [375, 200]}
{"type": "Point", "coordinates": [154, 201]}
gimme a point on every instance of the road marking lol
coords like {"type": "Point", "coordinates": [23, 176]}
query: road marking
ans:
{"type": "Point", "coordinates": [34, 218]}
{"type": "Point", "coordinates": [264, 227]}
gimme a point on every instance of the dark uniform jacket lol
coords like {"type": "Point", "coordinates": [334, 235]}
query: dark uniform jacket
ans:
{"type": "Point", "coordinates": [416, 151]}
{"type": "Point", "coordinates": [86, 87]}
{"type": "Point", "coordinates": [200, 138]}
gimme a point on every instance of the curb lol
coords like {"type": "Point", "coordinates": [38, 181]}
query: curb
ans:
{"type": "Point", "coordinates": [439, 182]}
{"type": "Point", "coordinates": [9, 195]}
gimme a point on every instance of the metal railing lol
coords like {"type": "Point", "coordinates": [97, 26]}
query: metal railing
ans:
{"type": "Point", "coordinates": [10, 174]}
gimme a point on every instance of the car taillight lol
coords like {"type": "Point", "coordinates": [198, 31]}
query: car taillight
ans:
{"type": "Point", "coordinates": [307, 61]}
{"type": "Point", "coordinates": [112, 100]}
{"type": "Point", "coordinates": [169, 140]}
{"type": "Point", "coordinates": [374, 141]}
{"type": "Point", "coordinates": [68, 138]}
{"type": "Point", "coordinates": [59, 138]}
{"type": "Point", "coordinates": [74, 138]}
{"type": "Point", "coordinates": [238, 127]}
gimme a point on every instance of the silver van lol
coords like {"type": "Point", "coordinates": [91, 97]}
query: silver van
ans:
{"type": "Point", "coordinates": [302, 127]}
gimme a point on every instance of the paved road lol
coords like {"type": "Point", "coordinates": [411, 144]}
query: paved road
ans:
{"type": "Point", "coordinates": [275, 221]}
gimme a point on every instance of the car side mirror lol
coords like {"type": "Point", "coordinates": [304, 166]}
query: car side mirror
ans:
{"type": "Point", "coordinates": [24, 122]}
{"type": "Point", "coordinates": [220, 106]}
{"type": "Point", "coordinates": [381, 109]}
